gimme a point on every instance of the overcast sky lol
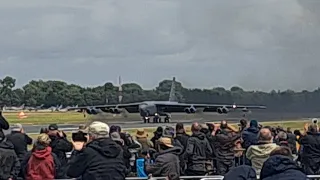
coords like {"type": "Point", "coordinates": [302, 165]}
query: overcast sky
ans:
{"type": "Point", "coordinates": [260, 45]}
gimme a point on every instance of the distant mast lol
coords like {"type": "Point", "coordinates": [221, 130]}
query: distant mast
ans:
{"type": "Point", "coordinates": [120, 90]}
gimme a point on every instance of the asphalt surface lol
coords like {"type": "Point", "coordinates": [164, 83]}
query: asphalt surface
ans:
{"type": "Point", "coordinates": [232, 117]}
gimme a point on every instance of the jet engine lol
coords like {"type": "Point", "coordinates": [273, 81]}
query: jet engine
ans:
{"type": "Point", "coordinates": [115, 110]}
{"type": "Point", "coordinates": [223, 110]}
{"type": "Point", "coordinates": [190, 110]}
{"type": "Point", "coordinates": [91, 111]}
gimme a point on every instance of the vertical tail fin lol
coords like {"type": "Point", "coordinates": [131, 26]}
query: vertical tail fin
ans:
{"type": "Point", "coordinates": [120, 90]}
{"type": "Point", "coordinates": [172, 96]}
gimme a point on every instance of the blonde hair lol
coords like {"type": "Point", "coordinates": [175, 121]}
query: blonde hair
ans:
{"type": "Point", "coordinates": [43, 139]}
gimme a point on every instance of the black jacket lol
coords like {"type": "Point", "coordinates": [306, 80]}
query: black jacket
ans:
{"type": "Point", "coordinates": [241, 173]}
{"type": "Point", "coordinates": [60, 146]}
{"type": "Point", "coordinates": [167, 162]}
{"type": "Point", "coordinates": [198, 151]}
{"type": "Point", "coordinates": [310, 150]}
{"type": "Point", "coordinates": [101, 159]}
{"type": "Point", "coordinates": [9, 162]}
{"type": "Point", "coordinates": [281, 167]}
{"type": "Point", "coordinates": [20, 142]}
{"type": "Point", "coordinates": [4, 125]}
{"type": "Point", "coordinates": [182, 138]}
{"type": "Point", "coordinates": [250, 137]}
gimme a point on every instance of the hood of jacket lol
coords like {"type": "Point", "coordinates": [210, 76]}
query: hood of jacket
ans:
{"type": "Point", "coordinates": [106, 147]}
{"type": "Point", "coordinates": [41, 152]}
{"type": "Point", "coordinates": [263, 149]}
{"type": "Point", "coordinates": [175, 150]}
{"type": "Point", "coordinates": [253, 129]}
{"type": "Point", "coordinates": [243, 172]}
{"type": "Point", "coordinates": [278, 164]}
{"type": "Point", "coordinates": [6, 144]}
{"type": "Point", "coordinates": [199, 135]}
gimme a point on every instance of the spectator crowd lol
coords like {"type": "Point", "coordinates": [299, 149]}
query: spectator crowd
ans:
{"type": "Point", "coordinates": [100, 152]}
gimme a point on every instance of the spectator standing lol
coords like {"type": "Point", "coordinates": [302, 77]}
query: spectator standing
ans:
{"type": "Point", "coordinates": [250, 135]}
{"type": "Point", "coordinates": [225, 148]}
{"type": "Point", "coordinates": [59, 143]}
{"type": "Point", "coordinates": [9, 162]}
{"type": "Point", "coordinates": [20, 140]}
{"type": "Point", "coordinates": [280, 165]}
{"type": "Point", "coordinates": [101, 159]}
{"type": "Point", "coordinates": [310, 155]}
{"type": "Point", "coordinates": [142, 138]}
{"type": "Point", "coordinates": [166, 161]}
{"type": "Point", "coordinates": [41, 163]}
{"type": "Point", "coordinates": [259, 153]}
{"type": "Point", "coordinates": [198, 151]}
{"type": "Point", "coordinates": [4, 125]}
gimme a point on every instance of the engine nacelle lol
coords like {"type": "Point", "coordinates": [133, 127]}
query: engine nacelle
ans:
{"type": "Point", "coordinates": [190, 110]}
{"type": "Point", "coordinates": [223, 110]}
{"type": "Point", "coordinates": [115, 110]}
{"type": "Point", "coordinates": [91, 111]}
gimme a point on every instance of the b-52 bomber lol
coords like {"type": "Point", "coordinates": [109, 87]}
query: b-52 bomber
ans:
{"type": "Point", "coordinates": [156, 109]}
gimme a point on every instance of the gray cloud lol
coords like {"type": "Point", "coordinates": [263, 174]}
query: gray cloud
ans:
{"type": "Point", "coordinates": [255, 44]}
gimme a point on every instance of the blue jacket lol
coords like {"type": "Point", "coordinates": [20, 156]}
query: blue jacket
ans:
{"type": "Point", "coordinates": [250, 137]}
{"type": "Point", "coordinates": [281, 167]}
{"type": "Point", "coordinates": [243, 172]}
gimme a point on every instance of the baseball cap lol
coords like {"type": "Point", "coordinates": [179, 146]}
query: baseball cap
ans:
{"type": "Point", "coordinates": [98, 127]}
{"type": "Point", "coordinates": [16, 127]}
{"type": "Point", "coordinates": [53, 127]}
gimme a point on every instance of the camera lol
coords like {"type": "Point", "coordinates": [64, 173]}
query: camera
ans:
{"type": "Point", "coordinates": [79, 137]}
{"type": "Point", "coordinates": [315, 121]}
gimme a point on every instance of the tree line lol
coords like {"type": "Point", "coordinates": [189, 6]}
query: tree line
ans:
{"type": "Point", "coordinates": [52, 93]}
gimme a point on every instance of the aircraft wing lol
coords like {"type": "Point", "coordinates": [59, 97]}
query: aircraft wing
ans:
{"type": "Point", "coordinates": [180, 107]}
{"type": "Point", "coordinates": [130, 107]}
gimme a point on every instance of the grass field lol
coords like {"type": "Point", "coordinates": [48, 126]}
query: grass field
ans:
{"type": "Point", "coordinates": [41, 118]}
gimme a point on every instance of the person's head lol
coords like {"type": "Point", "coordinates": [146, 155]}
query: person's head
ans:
{"type": "Point", "coordinates": [53, 129]}
{"type": "Point", "coordinates": [265, 136]}
{"type": "Point", "coordinates": [141, 133]}
{"type": "Point", "coordinates": [168, 132]}
{"type": "Point", "coordinates": [313, 128]}
{"type": "Point", "coordinates": [289, 130]}
{"type": "Point", "coordinates": [165, 143]}
{"type": "Point", "coordinates": [282, 150]}
{"type": "Point", "coordinates": [43, 139]}
{"type": "Point", "coordinates": [195, 127]}
{"type": "Point", "coordinates": [282, 136]}
{"type": "Point", "coordinates": [180, 128]}
{"type": "Point", "coordinates": [44, 130]}
{"type": "Point", "coordinates": [243, 123]}
{"type": "Point", "coordinates": [297, 132]}
{"type": "Point", "coordinates": [223, 124]}
{"type": "Point", "coordinates": [97, 130]}
{"type": "Point", "coordinates": [114, 128]}
{"type": "Point", "coordinates": [17, 128]}
{"type": "Point", "coordinates": [117, 138]}
{"type": "Point", "coordinates": [254, 123]}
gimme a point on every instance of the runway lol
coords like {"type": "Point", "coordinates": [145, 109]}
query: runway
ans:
{"type": "Point", "coordinates": [233, 118]}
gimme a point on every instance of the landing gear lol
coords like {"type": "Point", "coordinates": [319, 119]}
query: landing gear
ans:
{"type": "Point", "coordinates": [167, 119]}
{"type": "Point", "coordinates": [156, 119]}
{"type": "Point", "coordinates": [146, 119]}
